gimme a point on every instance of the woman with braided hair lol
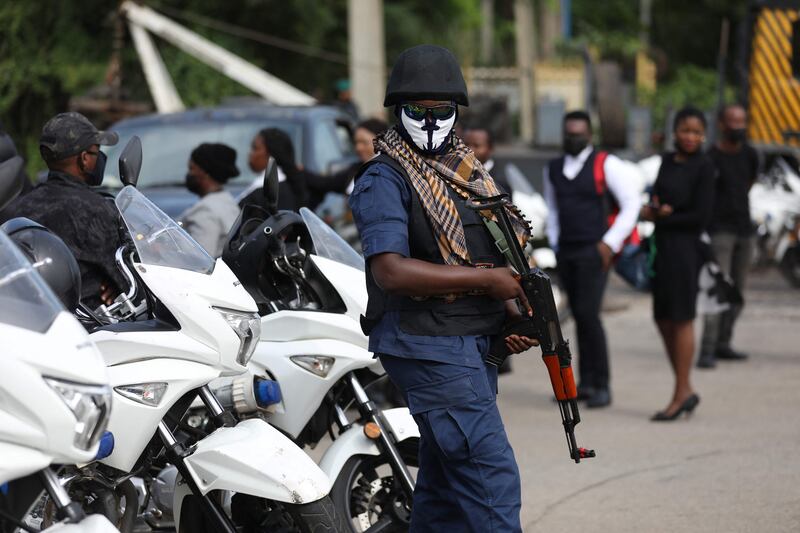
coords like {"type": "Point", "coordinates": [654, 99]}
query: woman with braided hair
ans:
{"type": "Point", "coordinates": [292, 188]}
{"type": "Point", "coordinates": [438, 290]}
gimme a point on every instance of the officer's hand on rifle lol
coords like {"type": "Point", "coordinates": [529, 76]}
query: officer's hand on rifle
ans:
{"type": "Point", "coordinates": [504, 285]}
{"type": "Point", "coordinates": [517, 343]}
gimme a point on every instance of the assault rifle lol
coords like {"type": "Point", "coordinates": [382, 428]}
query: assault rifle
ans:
{"type": "Point", "coordinates": [544, 325]}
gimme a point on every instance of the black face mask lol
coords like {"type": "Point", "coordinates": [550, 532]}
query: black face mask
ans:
{"type": "Point", "coordinates": [192, 184]}
{"type": "Point", "coordinates": [574, 144]}
{"type": "Point", "coordinates": [94, 178]}
{"type": "Point", "coordinates": [736, 135]}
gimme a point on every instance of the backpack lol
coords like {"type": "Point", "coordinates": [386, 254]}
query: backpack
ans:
{"type": "Point", "coordinates": [610, 205]}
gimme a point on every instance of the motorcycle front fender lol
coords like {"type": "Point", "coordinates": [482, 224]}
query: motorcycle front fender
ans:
{"type": "Point", "coordinates": [256, 459]}
{"type": "Point", "coordinates": [353, 441]}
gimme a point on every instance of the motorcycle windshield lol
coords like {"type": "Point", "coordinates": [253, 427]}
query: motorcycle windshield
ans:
{"type": "Point", "coordinates": [328, 244]}
{"type": "Point", "coordinates": [26, 300]}
{"type": "Point", "coordinates": [159, 240]}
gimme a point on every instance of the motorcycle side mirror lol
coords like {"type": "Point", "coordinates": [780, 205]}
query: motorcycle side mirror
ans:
{"type": "Point", "coordinates": [130, 162]}
{"type": "Point", "coordinates": [11, 179]}
{"type": "Point", "coordinates": [271, 187]}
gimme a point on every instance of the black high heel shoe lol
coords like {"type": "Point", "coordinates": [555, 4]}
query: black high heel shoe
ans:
{"type": "Point", "coordinates": [687, 407]}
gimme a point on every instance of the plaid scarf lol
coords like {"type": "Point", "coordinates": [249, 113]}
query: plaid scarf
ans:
{"type": "Point", "coordinates": [430, 177]}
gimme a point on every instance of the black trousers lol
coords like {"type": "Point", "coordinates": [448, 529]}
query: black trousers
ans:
{"type": "Point", "coordinates": [581, 271]}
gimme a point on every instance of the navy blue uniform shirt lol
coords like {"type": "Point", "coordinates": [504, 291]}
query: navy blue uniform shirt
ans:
{"type": "Point", "coordinates": [381, 205]}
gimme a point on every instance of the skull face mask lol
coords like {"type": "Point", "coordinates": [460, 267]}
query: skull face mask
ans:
{"type": "Point", "coordinates": [429, 128]}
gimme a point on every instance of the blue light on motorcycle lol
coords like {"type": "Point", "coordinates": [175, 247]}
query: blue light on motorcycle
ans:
{"type": "Point", "coordinates": [106, 446]}
{"type": "Point", "coordinates": [267, 392]}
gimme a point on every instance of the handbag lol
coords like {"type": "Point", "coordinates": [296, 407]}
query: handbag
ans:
{"type": "Point", "coordinates": [634, 264]}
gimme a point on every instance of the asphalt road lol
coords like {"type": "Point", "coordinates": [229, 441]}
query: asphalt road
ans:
{"type": "Point", "coordinates": [734, 466]}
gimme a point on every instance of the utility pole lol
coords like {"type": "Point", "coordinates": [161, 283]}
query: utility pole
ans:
{"type": "Point", "coordinates": [645, 68]}
{"type": "Point", "coordinates": [487, 31]}
{"type": "Point", "coordinates": [550, 28]}
{"type": "Point", "coordinates": [645, 19]}
{"type": "Point", "coordinates": [367, 55]}
{"type": "Point", "coordinates": [722, 57]}
{"type": "Point", "coordinates": [525, 39]}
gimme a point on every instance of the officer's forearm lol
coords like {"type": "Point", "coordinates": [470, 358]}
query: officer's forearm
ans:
{"type": "Point", "coordinates": [411, 277]}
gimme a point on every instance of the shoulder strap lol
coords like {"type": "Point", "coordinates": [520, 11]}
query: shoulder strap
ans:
{"type": "Point", "coordinates": [499, 238]}
{"type": "Point", "coordinates": [380, 158]}
{"type": "Point", "coordinates": [600, 172]}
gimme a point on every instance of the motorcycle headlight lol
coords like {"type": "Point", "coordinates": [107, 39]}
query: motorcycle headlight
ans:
{"type": "Point", "coordinates": [91, 405]}
{"type": "Point", "coordinates": [248, 328]}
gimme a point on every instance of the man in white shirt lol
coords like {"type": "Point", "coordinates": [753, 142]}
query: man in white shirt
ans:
{"type": "Point", "coordinates": [582, 189]}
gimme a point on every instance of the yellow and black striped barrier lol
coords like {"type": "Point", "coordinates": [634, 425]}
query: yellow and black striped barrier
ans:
{"type": "Point", "coordinates": [774, 97]}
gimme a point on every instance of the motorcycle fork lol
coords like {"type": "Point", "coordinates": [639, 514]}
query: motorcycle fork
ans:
{"type": "Point", "coordinates": [65, 507]}
{"type": "Point", "coordinates": [369, 411]}
{"type": "Point", "coordinates": [176, 454]}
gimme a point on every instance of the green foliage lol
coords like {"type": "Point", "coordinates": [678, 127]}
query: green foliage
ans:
{"type": "Point", "coordinates": [53, 50]}
{"type": "Point", "coordinates": [613, 30]}
{"type": "Point", "coordinates": [685, 31]}
{"type": "Point", "coordinates": [197, 83]}
{"type": "Point", "coordinates": [48, 51]}
{"type": "Point", "coordinates": [684, 40]}
{"type": "Point", "coordinates": [451, 23]}
{"type": "Point", "coordinates": [691, 85]}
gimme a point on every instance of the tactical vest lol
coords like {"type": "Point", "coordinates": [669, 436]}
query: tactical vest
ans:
{"type": "Point", "coordinates": [581, 211]}
{"type": "Point", "coordinates": [436, 316]}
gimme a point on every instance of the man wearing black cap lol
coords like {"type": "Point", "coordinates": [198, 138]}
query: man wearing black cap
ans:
{"type": "Point", "coordinates": [208, 221]}
{"type": "Point", "coordinates": [438, 289]}
{"type": "Point", "coordinates": [65, 204]}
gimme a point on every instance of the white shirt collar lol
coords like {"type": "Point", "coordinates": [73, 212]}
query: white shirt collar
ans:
{"type": "Point", "coordinates": [581, 157]}
{"type": "Point", "coordinates": [489, 165]}
{"type": "Point", "coordinates": [574, 164]}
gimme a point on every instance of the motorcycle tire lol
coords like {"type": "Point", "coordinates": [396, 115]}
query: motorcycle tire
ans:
{"type": "Point", "coordinates": [257, 515]}
{"type": "Point", "coordinates": [350, 497]}
{"type": "Point", "coordinates": [790, 266]}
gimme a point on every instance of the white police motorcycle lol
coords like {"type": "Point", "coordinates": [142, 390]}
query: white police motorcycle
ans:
{"type": "Point", "coordinates": [185, 321]}
{"type": "Point", "coordinates": [54, 393]}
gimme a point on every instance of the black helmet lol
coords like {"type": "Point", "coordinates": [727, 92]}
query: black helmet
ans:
{"type": "Point", "coordinates": [56, 264]}
{"type": "Point", "coordinates": [251, 248]}
{"type": "Point", "coordinates": [426, 72]}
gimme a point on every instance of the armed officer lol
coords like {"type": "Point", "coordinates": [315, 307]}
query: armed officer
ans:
{"type": "Point", "coordinates": [67, 205]}
{"type": "Point", "coordinates": [438, 290]}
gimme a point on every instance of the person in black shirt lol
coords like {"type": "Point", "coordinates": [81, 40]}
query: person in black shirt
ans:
{"type": "Point", "coordinates": [342, 182]}
{"type": "Point", "coordinates": [680, 206]}
{"type": "Point", "coordinates": [731, 228]}
{"type": "Point", "coordinates": [65, 204]}
{"type": "Point", "coordinates": [292, 187]}
{"type": "Point", "coordinates": [481, 142]}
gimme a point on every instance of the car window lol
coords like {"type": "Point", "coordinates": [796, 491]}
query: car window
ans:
{"type": "Point", "coordinates": [166, 148]}
{"type": "Point", "coordinates": [345, 139]}
{"type": "Point", "coordinates": [327, 146]}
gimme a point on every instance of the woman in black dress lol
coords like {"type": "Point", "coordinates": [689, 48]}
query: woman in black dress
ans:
{"type": "Point", "coordinates": [680, 207]}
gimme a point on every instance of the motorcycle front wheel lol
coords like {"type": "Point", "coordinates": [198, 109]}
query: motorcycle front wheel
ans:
{"type": "Point", "coordinates": [257, 515]}
{"type": "Point", "coordinates": [370, 497]}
